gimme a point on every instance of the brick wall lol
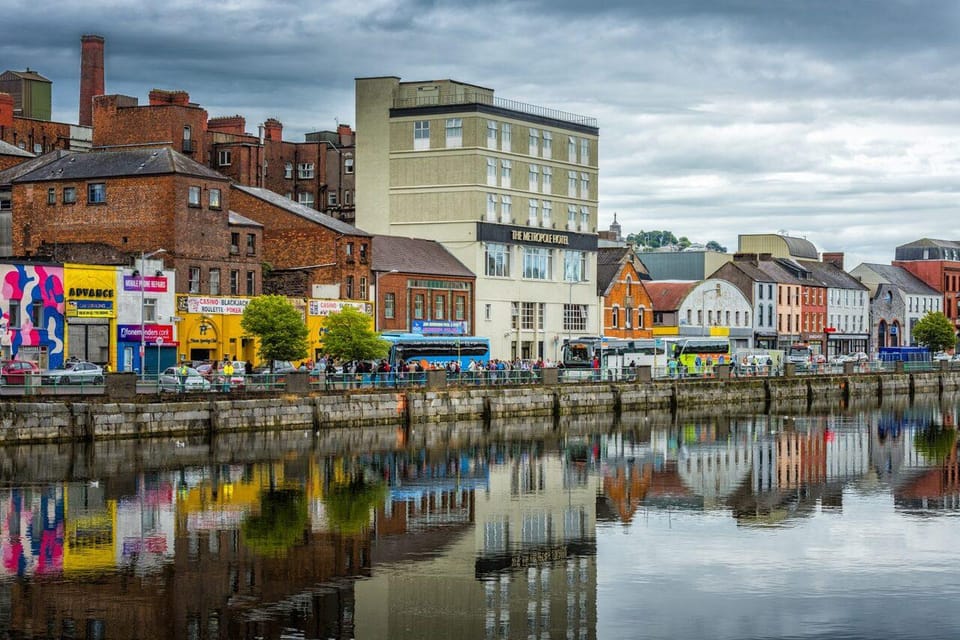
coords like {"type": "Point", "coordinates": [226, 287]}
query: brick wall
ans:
{"type": "Point", "coordinates": [118, 120]}
{"type": "Point", "coordinates": [49, 135]}
{"type": "Point", "coordinates": [396, 284]}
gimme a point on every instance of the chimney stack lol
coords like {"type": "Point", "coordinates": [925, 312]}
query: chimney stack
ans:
{"type": "Point", "coordinates": [273, 130]}
{"type": "Point", "coordinates": [6, 110]}
{"type": "Point", "coordinates": [91, 76]}
{"type": "Point", "coordinates": [835, 258]}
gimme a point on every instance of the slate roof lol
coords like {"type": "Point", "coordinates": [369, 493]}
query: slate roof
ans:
{"type": "Point", "coordinates": [901, 278]}
{"type": "Point", "coordinates": [117, 164]}
{"type": "Point", "coordinates": [830, 275]}
{"type": "Point", "coordinates": [235, 218]}
{"type": "Point", "coordinates": [414, 255]}
{"type": "Point", "coordinates": [800, 247]}
{"type": "Point", "coordinates": [29, 74]}
{"type": "Point", "coordinates": [666, 295]}
{"type": "Point", "coordinates": [302, 210]}
{"type": "Point", "coordinates": [9, 175]}
{"type": "Point", "coordinates": [609, 260]}
{"type": "Point", "coordinates": [7, 149]}
{"type": "Point", "coordinates": [930, 242]}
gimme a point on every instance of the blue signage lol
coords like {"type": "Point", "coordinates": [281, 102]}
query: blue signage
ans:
{"type": "Point", "coordinates": [440, 327]}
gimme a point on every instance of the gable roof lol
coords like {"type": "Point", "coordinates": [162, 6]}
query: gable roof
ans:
{"type": "Point", "coordinates": [900, 278]}
{"type": "Point", "coordinates": [830, 275]}
{"type": "Point", "coordinates": [301, 210]}
{"type": "Point", "coordinates": [666, 295]}
{"type": "Point", "coordinates": [7, 176]}
{"type": "Point", "coordinates": [415, 255]}
{"type": "Point", "coordinates": [235, 218]}
{"type": "Point", "coordinates": [117, 164]}
{"type": "Point", "coordinates": [7, 149]}
{"type": "Point", "coordinates": [610, 261]}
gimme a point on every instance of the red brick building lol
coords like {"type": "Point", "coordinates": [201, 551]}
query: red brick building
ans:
{"type": "Point", "coordinates": [310, 254]}
{"type": "Point", "coordinates": [419, 281]}
{"type": "Point", "coordinates": [627, 309]}
{"type": "Point", "coordinates": [140, 200]}
{"type": "Point", "coordinates": [937, 263]}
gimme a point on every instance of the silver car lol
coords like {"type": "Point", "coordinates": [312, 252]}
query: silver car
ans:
{"type": "Point", "coordinates": [170, 380]}
{"type": "Point", "coordinates": [74, 373]}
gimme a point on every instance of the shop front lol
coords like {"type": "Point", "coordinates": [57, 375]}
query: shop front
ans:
{"type": "Point", "coordinates": [90, 312]}
{"type": "Point", "coordinates": [210, 329]}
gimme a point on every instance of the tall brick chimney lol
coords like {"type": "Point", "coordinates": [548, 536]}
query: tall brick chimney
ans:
{"type": "Point", "coordinates": [273, 129]}
{"type": "Point", "coordinates": [91, 76]}
{"type": "Point", "coordinates": [6, 110]}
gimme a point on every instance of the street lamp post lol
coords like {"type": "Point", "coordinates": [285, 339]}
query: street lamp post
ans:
{"type": "Point", "coordinates": [143, 333]}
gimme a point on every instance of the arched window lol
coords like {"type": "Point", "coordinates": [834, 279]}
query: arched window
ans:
{"type": "Point", "coordinates": [640, 318]}
{"type": "Point", "coordinates": [615, 317]}
{"type": "Point", "coordinates": [629, 285]}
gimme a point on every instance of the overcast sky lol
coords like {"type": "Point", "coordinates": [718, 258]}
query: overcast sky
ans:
{"type": "Point", "coordinates": [833, 120]}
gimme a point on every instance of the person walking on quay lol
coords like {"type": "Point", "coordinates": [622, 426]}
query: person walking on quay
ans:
{"type": "Point", "coordinates": [182, 377]}
{"type": "Point", "coordinates": [227, 375]}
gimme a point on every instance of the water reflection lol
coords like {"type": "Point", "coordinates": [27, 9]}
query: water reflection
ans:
{"type": "Point", "coordinates": [529, 529]}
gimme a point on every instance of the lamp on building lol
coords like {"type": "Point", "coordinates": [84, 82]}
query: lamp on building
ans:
{"type": "Point", "coordinates": [143, 333]}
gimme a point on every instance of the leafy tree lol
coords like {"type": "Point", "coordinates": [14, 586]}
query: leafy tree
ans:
{"type": "Point", "coordinates": [684, 242]}
{"type": "Point", "coordinates": [713, 245]}
{"type": "Point", "coordinates": [279, 326]}
{"type": "Point", "coordinates": [349, 336]}
{"type": "Point", "coordinates": [935, 332]}
{"type": "Point", "coordinates": [281, 523]}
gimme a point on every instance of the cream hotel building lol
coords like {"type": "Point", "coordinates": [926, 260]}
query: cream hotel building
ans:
{"type": "Point", "coordinates": [509, 188]}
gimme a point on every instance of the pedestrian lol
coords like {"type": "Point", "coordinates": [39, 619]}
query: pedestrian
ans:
{"type": "Point", "coordinates": [182, 377]}
{"type": "Point", "coordinates": [227, 375]}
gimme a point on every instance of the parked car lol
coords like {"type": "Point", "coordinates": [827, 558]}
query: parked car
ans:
{"type": "Point", "coordinates": [169, 380]}
{"type": "Point", "coordinates": [213, 371]}
{"type": "Point", "coordinates": [74, 372]}
{"type": "Point", "coordinates": [16, 372]}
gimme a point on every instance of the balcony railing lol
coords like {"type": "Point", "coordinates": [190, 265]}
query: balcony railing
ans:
{"type": "Point", "coordinates": [472, 97]}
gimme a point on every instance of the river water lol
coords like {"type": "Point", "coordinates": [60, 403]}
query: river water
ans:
{"type": "Point", "coordinates": [826, 523]}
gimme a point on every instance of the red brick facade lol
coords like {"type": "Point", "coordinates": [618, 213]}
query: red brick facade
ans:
{"type": "Point", "coordinates": [405, 301]}
{"type": "Point", "coordinates": [91, 75]}
{"type": "Point", "coordinates": [942, 275]}
{"type": "Point", "coordinates": [169, 121]}
{"type": "Point", "coordinates": [627, 308]}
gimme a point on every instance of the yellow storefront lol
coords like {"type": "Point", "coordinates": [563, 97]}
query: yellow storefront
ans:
{"type": "Point", "coordinates": [91, 312]}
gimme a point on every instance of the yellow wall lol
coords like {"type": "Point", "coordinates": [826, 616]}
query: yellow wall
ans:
{"type": "Point", "coordinates": [89, 285]}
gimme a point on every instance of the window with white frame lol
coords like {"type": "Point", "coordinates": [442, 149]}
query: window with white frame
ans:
{"type": "Point", "coordinates": [363, 288]}
{"type": "Point", "coordinates": [506, 209]}
{"type": "Point", "coordinates": [492, 134]}
{"type": "Point", "coordinates": [532, 217]}
{"type": "Point", "coordinates": [491, 207]}
{"type": "Point", "coordinates": [421, 135]}
{"type": "Point", "coordinates": [584, 218]}
{"type": "Point", "coordinates": [547, 146]}
{"type": "Point", "coordinates": [348, 163]}
{"type": "Point", "coordinates": [546, 185]}
{"type": "Point", "coordinates": [224, 157]}
{"type": "Point", "coordinates": [546, 213]}
{"type": "Point", "coordinates": [193, 196]}
{"type": "Point", "coordinates": [459, 307]}
{"type": "Point", "coordinates": [213, 198]}
{"type": "Point", "coordinates": [288, 170]}
{"type": "Point", "coordinates": [614, 317]}
{"type": "Point", "coordinates": [574, 266]}
{"type": "Point", "coordinates": [305, 198]}
{"type": "Point", "coordinates": [527, 315]}
{"type": "Point", "coordinates": [96, 193]}
{"type": "Point", "coordinates": [492, 172]}
{"type": "Point", "coordinates": [497, 259]}
{"type": "Point", "coordinates": [571, 217]}
{"type": "Point", "coordinates": [571, 149]}
{"type": "Point", "coordinates": [214, 282]}
{"type": "Point", "coordinates": [149, 309]}
{"type": "Point", "coordinates": [506, 173]}
{"type": "Point", "coordinates": [537, 263]}
{"type": "Point", "coordinates": [193, 280]}
{"type": "Point", "coordinates": [389, 305]}
{"type": "Point", "coordinates": [305, 171]}
{"type": "Point", "coordinates": [439, 307]}
{"type": "Point", "coordinates": [534, 177]}
{"type": "Point", "coordinates": [534, 142]}
{"type": "Point", "coordinates": [584, 151]}
{"type": "Point", "coordinates": [506, 137]}
{"type": "Point", "coordinates": [331, 198]}
{"type": "Point", "coordinates": [574, 317]}
{"type": "Point", "coordinates": [234, 282]}
{"type": "Point", "coordinates": [584, 185]}
{"type": "Point", "coordinates": [454, 132]}
{"type": "Point", "coordinates": [572, 184]}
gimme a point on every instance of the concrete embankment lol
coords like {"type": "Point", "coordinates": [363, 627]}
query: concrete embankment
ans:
{"type": "Point", "coordinates": [92, 419]}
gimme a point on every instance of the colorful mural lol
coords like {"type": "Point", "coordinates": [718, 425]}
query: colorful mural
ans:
{"type": "Point", "coordinates": [32, 308]}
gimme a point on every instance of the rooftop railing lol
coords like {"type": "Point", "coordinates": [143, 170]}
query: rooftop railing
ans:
{"type": "Point", "coordinates": [473, 97]}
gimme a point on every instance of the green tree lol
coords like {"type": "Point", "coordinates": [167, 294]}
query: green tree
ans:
{"type": "Point", "coordinates": [713, 245]}
{"type": "Point", "coordinates": [349, 336]}
{"type": "Point", "coordinates": [279, 326]}
{"type": "Point", "coordinates": [935, 332]}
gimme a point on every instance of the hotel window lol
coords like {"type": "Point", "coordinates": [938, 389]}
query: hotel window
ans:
{"type": "Point", "coordinates": [69, 195]}
{"type": "Point", "coordinates": [584, 219]}
{"type": "Point", "coordinates": [251, 281]}
{"type": "Point", "coordinates": [506, 209]}
{"type": "Point", "coordinates": [574, 266]}
{"type": "Point", "coordinates": [572, 184]}
{"type": "Point", "coordinates": [491, 207]}
{"type": "Point", "coordinates": [547, 145]}
{"type": "Point", "coordinates": [439, 307]}
{"type": "Point", "coordinates": [363, 288]}
{"type": "Point", "coordinates": [534, 142]}
{"type": "Point", "coordinates": [546, 214]}
{"type": "Point", "coordinates": [214, 282]}
{"type": "Point", "coordinates": [234, 282]}
{"type": "Point", "coordinates": [234, 243]}
{"type": "Point", "coordinates": [305, 198]}
{"type": "Point", "coordinates": [492, 172]}
{"type": "Point", "coordinates": [224, 157]}
{"type": "Point", "coordinates": [348, 163]}
{"type": "Point", "coordinates": [251, 244]}
{"type": "Point", "coordinates": [571, 217]}
{"type": "Point", "coordinates": [389, 305]}
{"type": "Point", "coordinates": [305, 171]}
{"type": "Point", "coordinates": [532, 215]}
{"type": "Point", "coordinates": [506, 137]}
{"type": "Point", "coordinates": [571, 149]}
{"type": "Point", "coordinates": [193, 280]}
{"type": "Point", "coordinates": [547, 181]}
{"type": "Point", "coordinates": [193, 196]}
{"type": "Point", "coordinates": [491, 134]}
{"type": "Point", "coordinates": [497, 260]}
{"type": "Point", "coordinates": [288, 170]}
{"type": "Point", "coordinates": [96, 193]}
{"type": "Point", "coordinates": [584, 151]}
{"type": "Point", "coordinates": [574, 317]}
{"type": "Point", "coordinates": [454, 133]}
{"type": "Point", "coordinates": [418, 306]}
{"type": "Point", "coordinates": [421, 135]}
{"type": "Point", "coordinates": [534, 177]}
{"type": "Point", "coordinates": [51, 196]}
{"type": "Point", "coordinates": [527, 310]}
{"type": "Point", "coordinates": [213, 198]}
{"type": "Point", "coordinates": [506, 173]}
{"type": "Point", "coordinates": [537, 263]}
{"type": "Point", "coordinates": [584, 185]}
{"type": "Point", "coordinates": [459, 308]}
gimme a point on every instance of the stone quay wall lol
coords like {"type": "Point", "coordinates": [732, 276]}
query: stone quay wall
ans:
{"type": "Point", "coordinates": [89, 419]}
